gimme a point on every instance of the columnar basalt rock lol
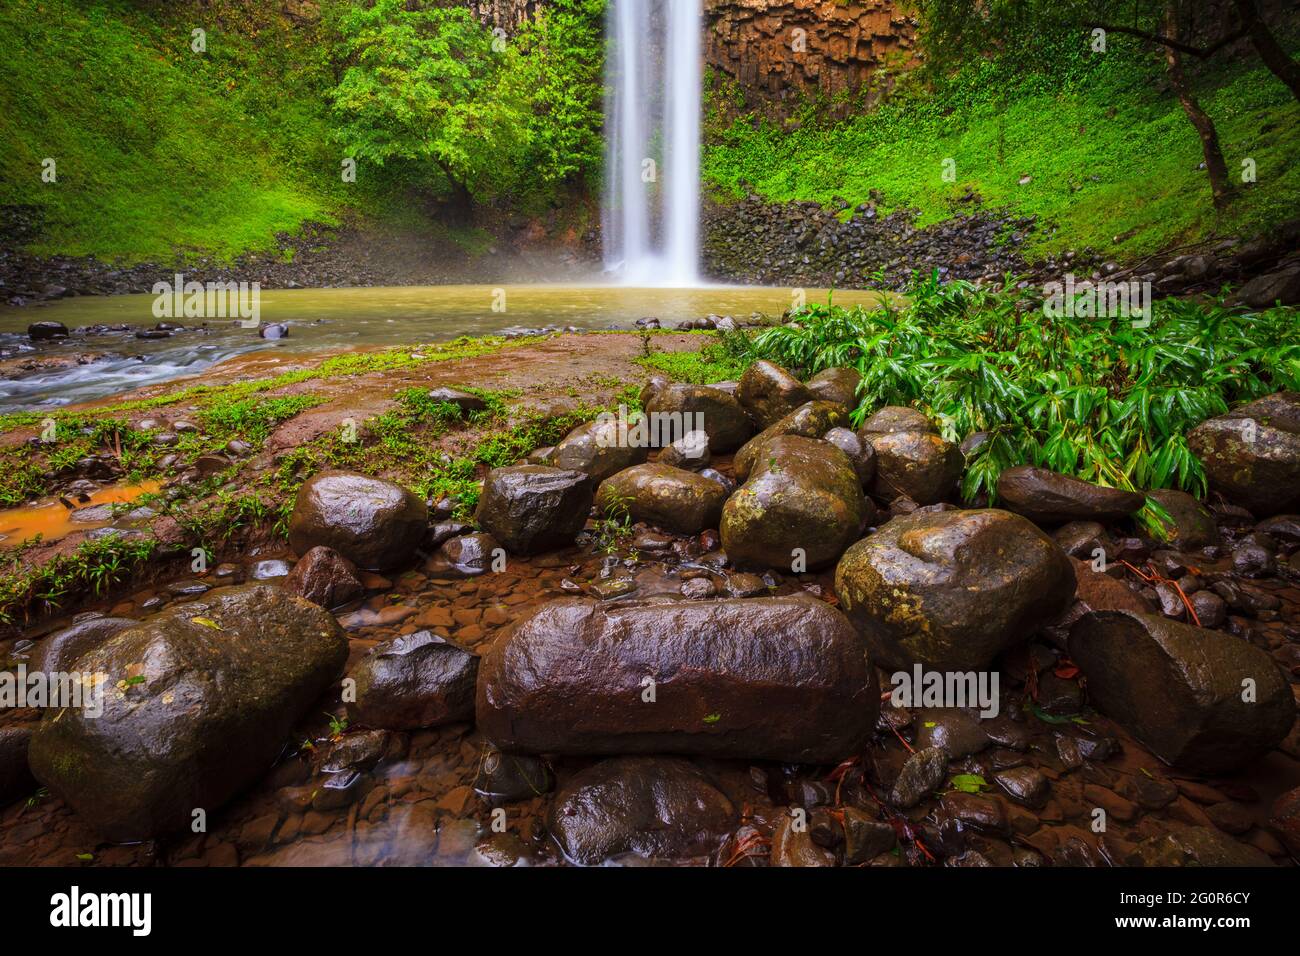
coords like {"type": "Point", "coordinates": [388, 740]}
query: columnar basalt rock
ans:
{"type": "Point", "coordinates": [778, 48]}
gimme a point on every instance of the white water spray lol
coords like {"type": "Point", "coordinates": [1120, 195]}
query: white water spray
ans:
{"type": "Point", "coordinates": [652, 195]}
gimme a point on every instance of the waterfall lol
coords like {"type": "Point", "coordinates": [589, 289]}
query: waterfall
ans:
{"type": "Point", "coordinates": [652, 170]}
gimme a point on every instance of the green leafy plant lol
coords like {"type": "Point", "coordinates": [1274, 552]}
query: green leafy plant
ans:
{"type": "Point", "coordinates": [1101, 399]}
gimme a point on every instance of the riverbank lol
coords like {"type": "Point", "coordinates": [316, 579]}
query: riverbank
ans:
{"type": "Point", "coordinates": [405, 768]}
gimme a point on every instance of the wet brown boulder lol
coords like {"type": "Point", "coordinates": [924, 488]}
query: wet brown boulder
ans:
{"type": "Point", "coordinates": [691, 452]}
{"type": "Point", "coordinates": [1192, 524]}
{"type": "Point", "coordinates": [466, 555]}
{"type": "Point", "coordinates": [15, 778]}
{"type": "Point", "coordinates": [658, 807]}
{"type": "Point", "coordinates": [533, 508]}
{"type": "Point", "coordinates": [950, 590]}
{"type": "Point", "coordinates": [802, 504]}
{"type": "Point", "coordinates": [198, 703]}
{"type": "Point", "coordinates": [859, 451]}
{"type": "Point", "coordinates": [375, 524]}
{"type": "Point", "coordinates": [416, 680]}
{"type": "Point", "coordinates": [1179, 688]}
{"type": "Point", "coordinates": [779, 678]}
{"type": "Point", "coordinates": [324, 577]}
{"type": "Point", "coordinates": [769, 393]}
{"type": "Point", "coordinates": [671, 498]}
{"type": "Point", "coordinates": [836, 385]}
{"type": "Point", "coordinates": [811, 420]}
{"type": "Point", "coordinates": [919, 465]}
{"type": "Point", "coordinates": [59, 652]}
{"type": "Point", "coordinates": [896, 418]}
{"type": "Point", "coordinates": [676, 410]}
{"type": "Point", "coordinates": [1252, 454]}
{"type": "Point", "coordinates": [1048, 497]}
{"type": "Point", "coordinates": [598, 449]}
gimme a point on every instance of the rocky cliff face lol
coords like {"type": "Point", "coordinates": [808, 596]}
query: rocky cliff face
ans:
{"type": "Point", "coordinates": [506, 14]}
{"type": "Point", "coordinates": [779, 49]}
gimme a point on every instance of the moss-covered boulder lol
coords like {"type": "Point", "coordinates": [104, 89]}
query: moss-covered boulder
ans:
{"type": "Point", "coordinates": [951, 590]}
{"type": "Point", "coordinates": [801, 507]}
{"type": "Point", "coordinates": [811, 420]}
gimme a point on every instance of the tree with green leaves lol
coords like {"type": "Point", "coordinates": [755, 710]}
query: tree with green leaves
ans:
{"type": "Point", "coordinates": [423, 86]}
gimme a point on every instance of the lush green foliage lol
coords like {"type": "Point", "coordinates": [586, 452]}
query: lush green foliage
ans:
{"type": "Point", "coordinates": [432, 85]}
{"type": "Point", "coordinates": [160, 149]}
{"type": "Point", "coordinates": [1106, 146]}
{"type": "Point", "coordinates": [164, 152]}
{"type": "Point", "coordinates": [1097, 398]}
{"type": "Point", "coordinates": [422, 86]}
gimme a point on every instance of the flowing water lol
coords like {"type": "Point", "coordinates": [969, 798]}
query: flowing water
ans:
{"type": "Point", "coordinates": [338, 319]}
{"type": "Point", "coordinates": [652, 202]}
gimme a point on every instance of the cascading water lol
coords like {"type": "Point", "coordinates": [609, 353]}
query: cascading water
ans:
{"type": "Point", "coordinates": [652, 196]}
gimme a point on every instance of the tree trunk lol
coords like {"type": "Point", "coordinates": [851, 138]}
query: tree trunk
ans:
{"type": "Point", "coordinates": [1214, 164]}
{"type": "Point", "coordinates": [1270, 51]}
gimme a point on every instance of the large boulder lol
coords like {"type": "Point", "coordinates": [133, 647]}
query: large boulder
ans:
{"type": "Point", "coordinates": [1179, 689]}
{"type": "Point", "coordinates": [324, 577]}
{"type": "Point", "coordinates": [1048, 497]}
{"type": "Point", "coordinates": [769, 393]}
{"type": "Point", "coordinates": [598, 449]}
{"type": "Point", "coordinates": [951, 590]}
{"type": "Point", "coordinates": [58, 653]}
{"type": "Point", "coordinates": [811, 420]}
{"type": "Point", "coordinates": [672, 498]}
{"type": "Point", "coordinates": [802, 494]}
{"type": "Point", "coordinates": [533, 508]}
{"type": "Point", "coordinates": [919, 465]}
{"type": "Point", "coordinates": [198, 702]}
{"type": "Point", "coordinates": [413, 681]}
{"type": "Point", "coordinates": [1252, 454]}
{"type": "Point", "coordinates": [375, 524]}
{"type": "Point", "coordinates": [836, 385]}
{"type": "Point", "coordinates": [658, 807]}
{"type": "Point", "coordinates": [677, 410]}
{"type": "Point", "coordinates": [778, 678]}
{"type": "Point", "coordinates": [1191, 525]}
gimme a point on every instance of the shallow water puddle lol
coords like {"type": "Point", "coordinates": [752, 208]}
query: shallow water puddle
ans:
{"type": "Point", "coordinates": [52, 519]}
